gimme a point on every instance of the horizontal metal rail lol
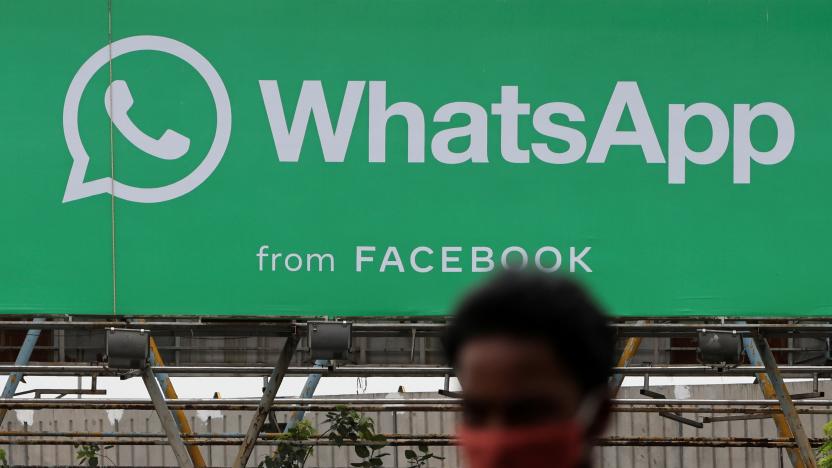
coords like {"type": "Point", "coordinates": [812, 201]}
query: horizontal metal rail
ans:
{"type": "Point", "coordinates": [250, 407]}
{"type": "Point", "coordinates": [716, 402]}
{"type": "Point", "coordinates": [205, 441]}
{"type": "Point", "coordinates": [239, 404]}
{"type": "Point", "coordinates": [252, 371]}
{"type": "Point", "coordinates": [193, 435]}
{"type": "Point", "coordinates": [447, 408]}
{"type": "Point", "coordinates": [224, 328]}
{"type": "Point", "coordinates": [393, 440]}
{"type": "Point", "coordinates": [389, 371]}
{"type": "Point", "coordinates": [696, 371]}
{"type": "Point", "coordinates": [389, 404]}
{"type": "Point", "coordinates": [745, 410]}
{"type": "Point", "coordinates": [265, 326]}
{"type": "Point", "coordinates": [702, 442]}
{"type": "Point", "coordinates": [689, 329]}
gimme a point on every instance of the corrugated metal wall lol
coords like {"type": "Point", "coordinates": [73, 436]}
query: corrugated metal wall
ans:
{"type": "Point", "coordinates": [651, 424]}
{"type": "Point", "coordinates": [622, 424]}
{"type": "Point", "coordinates": [229, 422]}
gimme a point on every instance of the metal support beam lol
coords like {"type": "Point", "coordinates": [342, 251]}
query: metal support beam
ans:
{"type": "Point", "coordinates": [783, 429]}
{"type": "Point", "coordinates": [167, 419]}
{"type": "Point", "coordinates": [170, 393]}
{"type": "Point", "coordinates": [266, 401]}
{"type": "Point", "coordinates": [265, 371]}
{"type": "Point", "coordinates": [398, 440]}
{"type": "Point", "coordinates": [23, 357]}
{"type": "Point", "coordinates": [308, 391]}
{"type": "Point", "coordinates": [402, 326]}
{"type": "Point", "coordinates": [396, 371]}
{"type": "Point", "coordinates": [630, 350]}
{"type": "Point", "coordinates": [804, 456]}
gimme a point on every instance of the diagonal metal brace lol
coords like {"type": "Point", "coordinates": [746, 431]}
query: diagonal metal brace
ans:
{"type": "Point", "coordinates": [738, 417]}
{"type": "Point", "coordinates": [804, 452]}
{"type": "Point", "coordinates": [167, 419]}
{"type": "Point", "coordinates": [670, 415]}
{"type": "Point", "coordinates": [266, 401]}
{"type": "Point", "coordinates": [155, 360]}
{"type": "Point", "coordinates": [22, 359]}
{"type": "Point", "coordinates": [630, 350]}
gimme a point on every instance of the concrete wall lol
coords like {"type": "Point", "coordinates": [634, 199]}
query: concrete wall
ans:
{"type": "Point", "coordinates": [622, 424]}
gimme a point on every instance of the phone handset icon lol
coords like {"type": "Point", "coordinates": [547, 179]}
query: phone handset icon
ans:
{"type": "Point", "coordinates": [171, 145]}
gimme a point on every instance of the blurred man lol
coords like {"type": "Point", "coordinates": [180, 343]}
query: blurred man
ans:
{"type": "Point", "coordinates": [533, 354]}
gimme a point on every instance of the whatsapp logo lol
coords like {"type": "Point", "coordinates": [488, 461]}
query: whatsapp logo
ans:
{"type": "Point", "coordinates": [117, 101]}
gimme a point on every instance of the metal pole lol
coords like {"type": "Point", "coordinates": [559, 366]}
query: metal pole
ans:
{"type": "Point", "coordinates": [414, 441]}
{"type": "Point", "coordinates": [438, 440]}
{"type": "Point", "coordinates": [170, 393]}
{"type": "Point", "coordinates": [265, 371]}
{"type": "Point", "coordinates": [392, 404]}
{"type": "Point", "coordinates": [248, 326]}
{"type": "Point", "coordinates": [630, 350]}
{"type": "Point", "coordinates": [805, 456]}
{"type": "Point", "coordinates": [392, 371]}
{"type": "Point", "coordinates": [167, 420]}
{"type": "Point", "coordinates": [767, 388]}
{"type": "Point", "coordinates": [23, 357]}
{"type": "Point", "coordinates": [308, 391]}
{"type": "Point", "coordinates": [266, 401]}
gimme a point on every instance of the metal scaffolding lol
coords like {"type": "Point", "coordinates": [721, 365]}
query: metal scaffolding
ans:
{"type": "Point", "coordinates": [778, 404]}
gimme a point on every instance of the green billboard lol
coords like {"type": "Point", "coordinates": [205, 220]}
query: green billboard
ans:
{"type": "Point", "coordinates": [367, 157]}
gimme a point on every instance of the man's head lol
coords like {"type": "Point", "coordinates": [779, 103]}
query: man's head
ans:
{"type": "Point", "coordinates": [531, 351]}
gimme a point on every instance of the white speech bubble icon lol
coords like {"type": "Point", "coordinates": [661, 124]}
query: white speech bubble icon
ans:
{"type": "Point", "coordinates": [77, 188]}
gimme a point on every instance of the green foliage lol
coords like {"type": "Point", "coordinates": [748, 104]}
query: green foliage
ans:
{"type": "Point", "coordinates": [3, 461]}
{"type": "Point", "coordinates": [349, 425]}
{"type": "Point", "coordinates": [289, 453]}
{"type": "Point", "coordinates": [420, 459]}
{"type": "Point", "coordinates": [346, 426]}
{"type": "Point", "coordinates": [89, 455]}
{"type": "Point", "coordinates": [825, 451]}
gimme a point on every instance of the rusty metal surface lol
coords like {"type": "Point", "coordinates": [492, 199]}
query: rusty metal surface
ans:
{"type": "Point", "coordinates": [169, 391]}
{"type": "Point", "coordinates": [256, 371]}
{"type": "Point", "coordinates": [392, 371]}
{"type": "Point", "coordinates": [393, 440]}
{"type": "Point", "coordinates": [283, 326]}
{"type": "Point", "coordinates": [739, 442]}
{"type": "Point", "coordinates": [266, 401]}
{"type": "Point", "coordinates": [664, 452]}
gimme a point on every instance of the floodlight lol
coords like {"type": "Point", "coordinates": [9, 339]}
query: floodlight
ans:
{"type": "Point", "coordinates": [127, 348]}
{"type": "Point", "coordinates": [719, 348]}
{"type": "Point", "coordinates": [329, 340]}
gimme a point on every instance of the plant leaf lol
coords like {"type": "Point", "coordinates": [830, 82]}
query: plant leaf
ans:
{"type": "Point", "coordinates": [362, 451]}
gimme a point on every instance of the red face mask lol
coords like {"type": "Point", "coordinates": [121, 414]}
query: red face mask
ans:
{"type": "Point", "coordinates": [550, 445]}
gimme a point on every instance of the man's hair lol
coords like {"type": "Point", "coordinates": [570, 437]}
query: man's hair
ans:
{"type": "Point", "coordinates": [552, 309]}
